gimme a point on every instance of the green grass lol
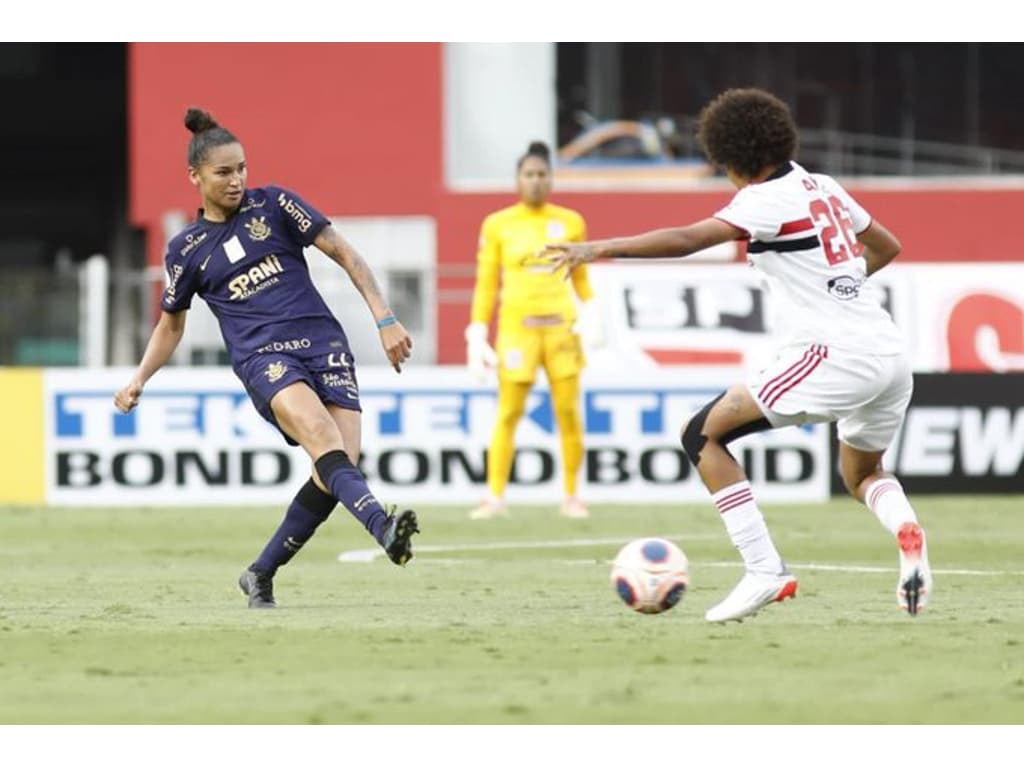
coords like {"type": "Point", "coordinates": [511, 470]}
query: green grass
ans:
{"type": "Point", "coordinates": [133, 616]}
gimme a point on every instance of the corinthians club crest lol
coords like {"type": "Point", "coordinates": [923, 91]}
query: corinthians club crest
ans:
{"type": "Point", "coordinates": [258, 228]}
{"type": "Point", "coordinates": [275, 371]}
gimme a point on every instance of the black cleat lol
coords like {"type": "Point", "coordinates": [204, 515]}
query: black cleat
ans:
{"type": "Point", "coordinates": [396, 542]}
{"type": "Point", "coordinates": [259, 587]}
{"type": "Point", "coordinates": [911, 591]}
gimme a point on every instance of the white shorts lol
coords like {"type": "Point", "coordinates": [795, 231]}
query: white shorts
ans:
{"type": "Point", "coordinates": [867, 395]}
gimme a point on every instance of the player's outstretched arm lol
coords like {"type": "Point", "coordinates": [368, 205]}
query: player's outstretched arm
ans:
{"type": "Point", "coordinates": [162, 343]}
{"type": "Point", "coordinates": [881, 246]}
{"type": "Point", "coordinates": [393, 337]}
{"type": "Point", "coordinates": [655, 244]}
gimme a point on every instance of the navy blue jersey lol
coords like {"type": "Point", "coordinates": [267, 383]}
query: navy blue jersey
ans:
{"type": "Point", "coordinates": [252, 273]}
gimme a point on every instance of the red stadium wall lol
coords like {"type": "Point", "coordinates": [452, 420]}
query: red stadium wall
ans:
{"type": "Point", "coordinates": [357, 129]}
{"type": "Point", "coordinates": [354, 127]}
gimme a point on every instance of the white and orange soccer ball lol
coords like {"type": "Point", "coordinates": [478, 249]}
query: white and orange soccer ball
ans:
{"type": "Point", "coordinates": [650, 575]}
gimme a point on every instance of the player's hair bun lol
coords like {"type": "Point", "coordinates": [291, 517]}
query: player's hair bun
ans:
{"type": "Point", "coordinates": [198, 120]}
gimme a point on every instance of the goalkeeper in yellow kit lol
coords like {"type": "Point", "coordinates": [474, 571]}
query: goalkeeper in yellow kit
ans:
{"type": "Point", "coordinates": [537, 325]}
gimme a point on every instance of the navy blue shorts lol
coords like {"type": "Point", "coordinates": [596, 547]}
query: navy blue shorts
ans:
{"type": "Point", "coordinates": [331, 373]}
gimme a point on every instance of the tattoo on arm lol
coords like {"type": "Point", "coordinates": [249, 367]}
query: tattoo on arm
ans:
{"type": "Point", "coordinates": [340, 251]}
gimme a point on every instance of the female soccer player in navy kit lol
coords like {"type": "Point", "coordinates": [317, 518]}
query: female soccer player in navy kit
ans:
{"type": "Point", "coordinates": [839, 356]}
{"type": "Point", "coordinates": [244, 256]}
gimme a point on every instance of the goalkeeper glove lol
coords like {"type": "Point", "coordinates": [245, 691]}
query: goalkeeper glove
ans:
{"type": "Point", "coordinates": [480, 356]}
{"type": "Point", "coordinates": [590, 326]}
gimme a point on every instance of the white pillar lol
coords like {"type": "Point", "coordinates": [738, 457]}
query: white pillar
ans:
{"type": "Point", "coordinates": [93, 305]}
{"type": "Point", "coordinates": [498, 97]}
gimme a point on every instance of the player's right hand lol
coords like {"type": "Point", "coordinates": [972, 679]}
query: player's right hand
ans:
{"type": "Point", "coordinates": [480, 356]}
{"type": "Point", "coordinates": [569, 255]}
{"type": "Point", "coordinates": [128, 396]}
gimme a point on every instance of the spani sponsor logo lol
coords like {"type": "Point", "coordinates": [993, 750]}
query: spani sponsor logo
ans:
{"type": "Point", "coordinates": [256, 278]}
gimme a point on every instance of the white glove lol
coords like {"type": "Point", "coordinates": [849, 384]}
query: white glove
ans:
{"type": "Point", "coordinates": [480, 356]}
{"type": "Point", "coordinates": [590, 326]}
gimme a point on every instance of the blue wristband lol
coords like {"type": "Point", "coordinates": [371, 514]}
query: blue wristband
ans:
{"type": "Point", "coordinates": [387, 320]}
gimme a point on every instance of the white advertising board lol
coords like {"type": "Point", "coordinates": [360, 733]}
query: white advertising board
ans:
{"type": "Point", "coordinates": [195, 439]}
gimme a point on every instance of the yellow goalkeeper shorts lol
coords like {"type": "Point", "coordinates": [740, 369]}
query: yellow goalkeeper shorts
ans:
{"type": "Point", "coordinates": [521, 350]}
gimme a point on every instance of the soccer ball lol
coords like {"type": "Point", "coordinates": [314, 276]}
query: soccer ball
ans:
{"type": "Point", "coordinates": [650, 575]}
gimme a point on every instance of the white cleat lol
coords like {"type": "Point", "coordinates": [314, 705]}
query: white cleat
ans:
{"type": "Point", "coordinates": [754, 592]}
{"type": "Point", "coordinates": [573, 508]}
{"type": "Point", "coordinates": [488, 510]}
{"type": "Point", "coordinates": [914, 588]}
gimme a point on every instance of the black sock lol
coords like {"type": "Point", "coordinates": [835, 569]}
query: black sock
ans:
{"type": "Point", "coordinates": [308, 509]}
{"type": "Point", "coordinates": [349, 487]}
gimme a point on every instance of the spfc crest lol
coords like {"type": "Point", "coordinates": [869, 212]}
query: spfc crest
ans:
{"type": "Point", "coordinates": [258, 228]}
{"type": "Point", "coordinates": [275, 371]}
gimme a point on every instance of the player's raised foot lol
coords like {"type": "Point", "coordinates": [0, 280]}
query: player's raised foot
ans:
{"type": "Point", "coordinates": [914, 588]}
{"type": "Point", "coordinates": [489, 509]}
{"type": "Point", "coordinates": [754, 592]}
{"type": "Point", "coordinates": [575, 509]}
{"type": "Point", "coordinates": [259, 587]}
{"type": "Point", "coordinates": [398, 534]}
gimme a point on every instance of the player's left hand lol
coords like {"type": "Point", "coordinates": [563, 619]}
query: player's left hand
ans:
{"type": "Point", "coordinates": [397, 344]}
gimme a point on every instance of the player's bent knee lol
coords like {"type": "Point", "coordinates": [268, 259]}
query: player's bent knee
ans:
{"type": "Point", "coordinates": [692, 434]}
{"type": "Point", "coordinates": [692, 439]}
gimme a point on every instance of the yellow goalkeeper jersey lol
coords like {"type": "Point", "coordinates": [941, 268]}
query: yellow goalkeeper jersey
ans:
{"type": "Point", "coordinates": [510, 242]}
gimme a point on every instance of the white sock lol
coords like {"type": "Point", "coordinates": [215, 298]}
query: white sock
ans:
{"type": "Point", "coordinates": [746, 527]}
{"type": "Point", "coordinates": [885, 497]}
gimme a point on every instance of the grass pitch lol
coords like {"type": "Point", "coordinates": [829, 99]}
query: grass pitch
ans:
{"type": "Point", "coordinates": [133, 616]}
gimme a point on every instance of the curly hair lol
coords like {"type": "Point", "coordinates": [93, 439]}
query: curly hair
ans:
{"type": "Point", "coordinates": [746, 130]}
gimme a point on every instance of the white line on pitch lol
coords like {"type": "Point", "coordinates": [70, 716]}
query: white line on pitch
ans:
{"type": "Point", "coordinates": [818, 567]}
{"type": "Point", "coordinates": [368, 555]}
{"type": "Point", "coordinates": [877, 569]}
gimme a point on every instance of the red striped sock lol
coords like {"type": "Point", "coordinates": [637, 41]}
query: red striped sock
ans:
{"type": "Point", "coordinates": [746, 527]}
{"type": "Point", "coordinates": [885, 497]}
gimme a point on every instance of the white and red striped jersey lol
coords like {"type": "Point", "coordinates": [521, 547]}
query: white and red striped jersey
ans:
{"type": "Point", "coordinates": [802, 229]}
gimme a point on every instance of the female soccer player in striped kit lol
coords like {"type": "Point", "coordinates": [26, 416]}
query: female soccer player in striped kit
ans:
{"type": "Point", "coordinates": [537, 325]}
{"type": "Point", "coordinates": [839, 356]}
